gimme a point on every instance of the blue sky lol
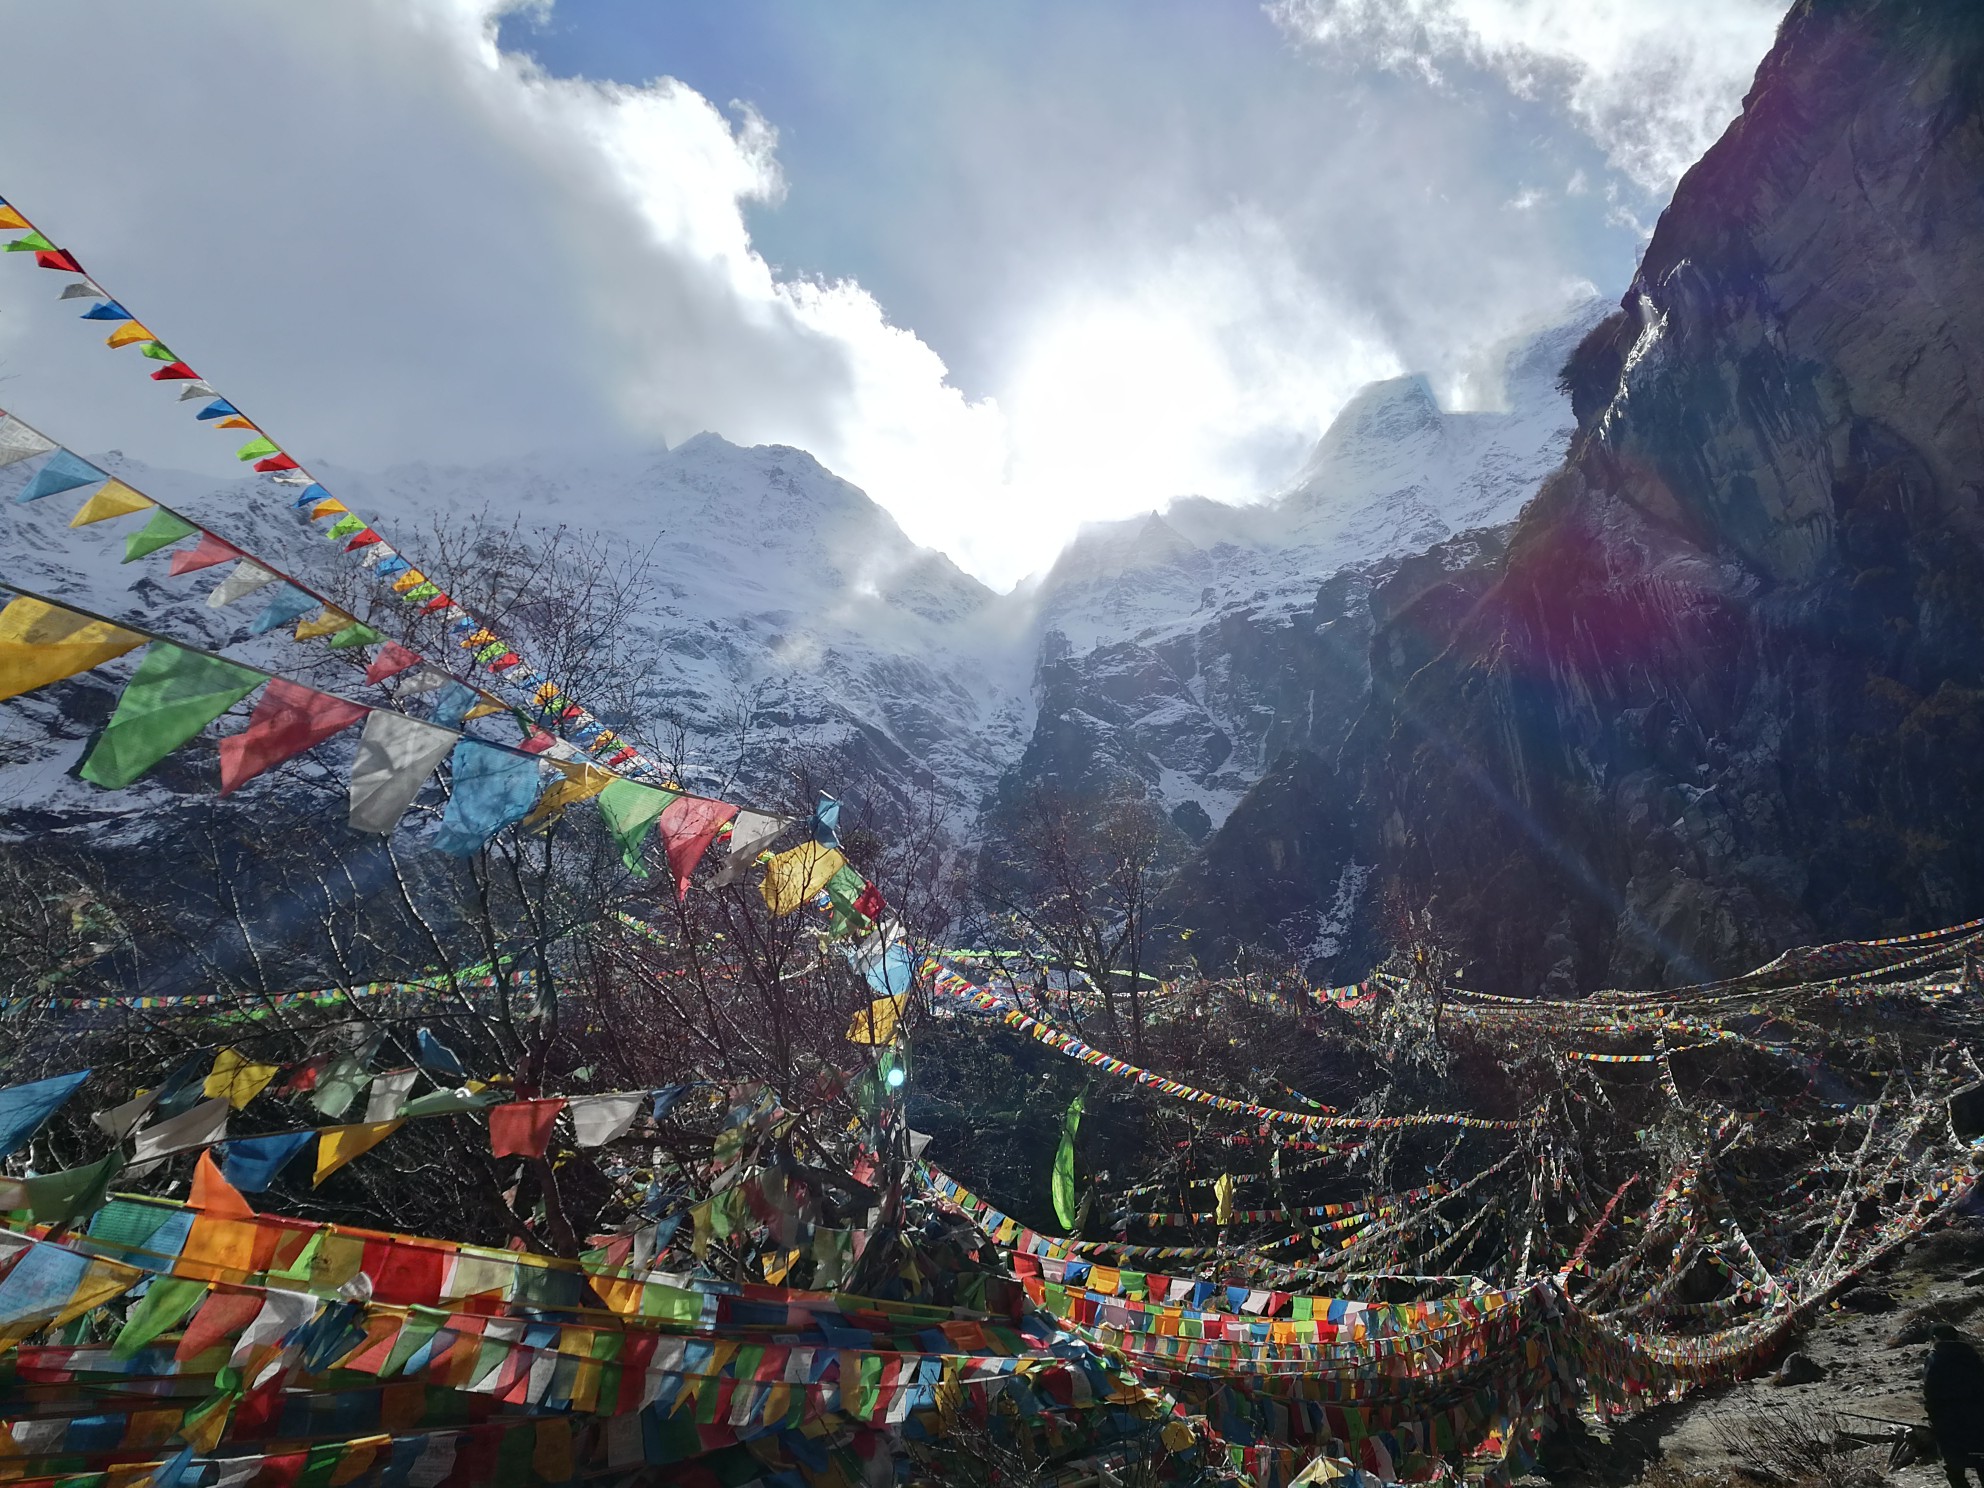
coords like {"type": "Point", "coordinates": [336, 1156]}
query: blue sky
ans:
{"type": "Point", "coordinates": [1007, 266]}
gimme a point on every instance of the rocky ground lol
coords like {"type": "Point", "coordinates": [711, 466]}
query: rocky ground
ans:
{"type": "Point", "coordinates": [1836, 1407]}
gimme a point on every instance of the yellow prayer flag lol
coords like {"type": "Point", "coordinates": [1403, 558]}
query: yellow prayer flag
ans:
{"type": "Point", "coordinates": [794, 877]}
{"type": "Point", "coordinates": [357, 1460]}
{"type": "Point", "coordinates": [128, 333]}
{"type": "Point", "coordinates": [235, 1076]}
{"type": "Point", "coordinates": [326, 507]}
{"type": "Point", "coordinates": [475, 640]}
{"type": "Point", "coordinates": [113, 499]}
{"type": "Point", "coordinates": [10, 219]}
{"type": "Point", "coordinates": [581, 783]}
{"type": "Point", "coordinates": [328, 623]}
{"type": "Point", "coordinates": [338, 1145]}
{"type": "Point", "coordinates": [1222, 1193]}
{"type": "Point", "coordinates": [876, 1023]}
{"type": "Point", "coordinates": [235, 421]}
{"type": "Point", "coordinates": [411, 579]}
{"type": "Point", "coordinates": [40, 644]}
{"type": "Point", "coordinates": [487, 706]}
{"type": "Point", "coordinates": [101, 1281]}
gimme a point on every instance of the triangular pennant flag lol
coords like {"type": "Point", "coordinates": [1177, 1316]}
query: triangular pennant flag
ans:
{"type": "Point", "coordinates": [237, 1079]}
{"type": "Point", "coordinates": [750, 834]}
{"type": "Point", "coordinates": [273, 464]}
{"type": "Point", "coordinates": [338, 1145]}
{"type": "Point", "coordinates": [599, 1119]}
{"type": "Point", "coordinates": [163, 1307]}
{"type": "Point", "coordinates": [40, 644]}
{"type": "Point", "coordinates": [393, 658]}
{"type": "Point", "coordinates": [344, 527]}
{"type": "Point", "coordinates": [234, 421]}
{"type": "Point", "coordinates": [83, 291]}
{"type": "Point", "coordinates": [63, 472]}
{"type": "Point", "coordinates": [797, 876]}
{"type": "Point", "coordinates": [23, 1108]}
{"type": "Point", "coordinates": [489, 705]}
{"type": "Point", "coordinates": [629, 811]}
{"type": "Point", "coordinates": [213, 1194]}
{"type": "Point", "coordinates": [128, 334]}
{"type": "Point", "coordinates": [395, 756]}
{"type": "Point", "coordinates": [355, 635]}
{"type": "Point", "coordinates": [523, 1128]}
{"type": "Point", "coordinates": [56, 259]}
{"type": "Point", "coordinates": [208, 552]}
{"type": "Point", "coordinates": [388, 1093]}
{"type": "Point", "coordinates": [328, 623]}
{"type": "Point", "coordinates": [328, 506]}
{"type": "Point", "coordinates": [169, 699]}
{"type": "Point", "coordinates": [687, 828]}
{"type": "Point", "coordinates": [10, 219]}
{"type": "Point", "coordinates": [196, 389]}
{"type": "Point", "coordinates": [117, 1121]}
{"type": "Point", "coordinates": [34, 242]}
{"type": "Point", "coordinates": [164, 529]}
{"type": "Point", "coordinates": [177, 372]}
{"type": "Point", "coordinates": [220, 408]}
{"type": "Point", "coordinates": [491, 788]}
{"type": "Point", "coordinates": [172, 696]}
{"type": "Point", "coordinates": [202, 1126]}
{"type": "Point", "coordinates": [115, 500]}
{"type": "Point", "coordinates": [254, 449]}
{"type": "Point", "coordinates": [246, 577]}
{"type": "Point", "coordinates": [59, 1198]}
{"type": "Point", "coordinates": [158, 351]}
{"type": "Point", "coordinates": [18, 442]}
{"type": "Point", "coordinates": [288, 719]}
{"type": "Point", "coordinates": [108, 310]}
{"type": "Point", "coordinates": [290, 603]}
{"type": "Point", "coordinates": [251, 1163]}
{"type": "Point", "coordinates": [580, 783]}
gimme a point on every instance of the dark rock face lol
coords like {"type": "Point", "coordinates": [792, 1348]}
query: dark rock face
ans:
{"type": "Point", "coordinates": [1728, 690]}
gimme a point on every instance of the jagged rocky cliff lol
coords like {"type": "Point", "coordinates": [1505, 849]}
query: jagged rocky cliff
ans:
{"type": "Point", "coordinates": [1727, 690]}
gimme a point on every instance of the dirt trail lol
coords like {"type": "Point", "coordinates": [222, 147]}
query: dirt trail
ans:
{"type": "Point", "coordinates": [1868, 1347]}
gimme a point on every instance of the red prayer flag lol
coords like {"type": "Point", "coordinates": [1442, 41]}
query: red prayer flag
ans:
{"type": "Point", "coordinates": [869, 902]}
{"type": "Point", "coordinates": [523, 1128]}
{"type": "Point", "coordinates": [538, 742]}
{"type": "Point", "coordinates": [288, 719]}
{"type": "Point", "coordinates": [364, 539]}
{"type": "Point", "coordinates": [176, 372]}
{"type": "Point", "coordinates": [687, 828]}
{"type": "Point", "coordinates": [438, 602]}
{"type": "Point", "coordinates": [393, 658]}
{"type": "Point", "coordinates": [504, 662]}
{"type": "Point", "coordinates": [208, 551]}
{"type": "Point", "coordinates": [274, 462]}
{"type": "Point", "coordinates": [220, 1320]}
{"type": "Point", "coordinates": [622, 757]}
{"type": "Point", "coordinates": [55, 258]}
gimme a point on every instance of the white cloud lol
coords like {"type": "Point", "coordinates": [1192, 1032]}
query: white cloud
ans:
{"type": "Point", "coordinates": [389, 240]}
{"type": "Point", "coordinates": [1653, 85]}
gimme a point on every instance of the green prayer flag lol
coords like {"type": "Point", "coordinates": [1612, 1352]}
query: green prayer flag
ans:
{"type": "Point", "coordinates": [842, 890]}
{"type": "Point", "coordinates": [1064, 1166]}
{"type": "Point", "coordinates": [260, 447]}
{"type": "Point", "coordinates": [59, 1198]}
{"type": "Point", "coordinates": [34, 242]}
{"type": "Point", "coordinates": [158, 351]}
{"type": "Point", "coordinates": [450, 1102]}
{"type": "Point", "coordinates": [161, 531]}
{"type": "Point", "coordinates": [345, 526]}
{"type": "Point", "coordinates": [164, 1306]}
{"type": "Point", "coordinates": [172, 696]}
{"type": "Point", "coordinates": [629, 811]}
{"type": "Point", "coordinates": [355, 635]}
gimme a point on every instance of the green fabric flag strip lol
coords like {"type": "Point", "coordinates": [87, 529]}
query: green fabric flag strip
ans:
{"type": "Point", "coordinates": [354, 635]}
{"type": "Point", "coordinates": [629, 811]}
{"type": "Point", "coordinates": [1064, 1166]}
{"type": "Point", "coordinates": [164, 1306]}
{"type": "Point", "coordinates": [256, 449]}
{"type": "Point", "coordinates": [161, 531]}
{"type": "Point", "coordinates": [59, 1198]}
{"type": "Point", "coordinates": [172, 696]}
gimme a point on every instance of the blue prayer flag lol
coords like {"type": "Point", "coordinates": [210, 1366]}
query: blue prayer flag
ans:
{"type": "Point", "coordinates": [63, 472]}
{"type": "Point", "coordinates": [251, 1163]}
{"type": "Point", "coordinates": [290, 603]}
{"type": "Point", "coordinates": [492, 787]}
{"type": "Point", "coordinates": [23, 1108]}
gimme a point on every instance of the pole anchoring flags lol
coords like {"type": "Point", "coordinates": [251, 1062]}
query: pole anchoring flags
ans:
{"type": "Point", "coordinates": [288, 720]}
{"type": "Point", "coordinates": [172, 696]}
{"type": "Point", "coordinates": [396, 754]}
{"type": "Point", "coordinates": [41, 643]}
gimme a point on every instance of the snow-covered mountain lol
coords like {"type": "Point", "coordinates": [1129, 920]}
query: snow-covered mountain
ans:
{"type": "Point", "coordinates": [1187, 648]}
{"type": "Point", "coordinates": [778, 617]}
